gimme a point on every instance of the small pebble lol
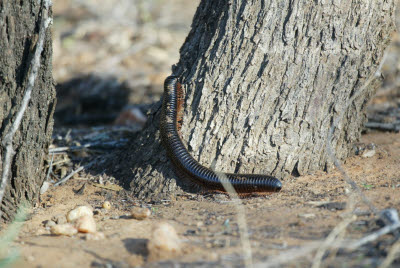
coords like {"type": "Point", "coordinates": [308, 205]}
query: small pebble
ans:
{"type": "Point", "coordinates": [369, 153]}
{"type": "Point", "coordinates": [45, 187]}
{"type": "Point", "coordinates": [140, 213]}
{"type": "Point", "coordinates": [95, 236]}
{"type": "Point", "coordinates": [86, 224]}
{"type": "Point", "coordinates": [49, 223]}
{"type": "Point", "coordinates": [164, 239]}
{"type": "Point", "coordinates": [107, 205]}
{"type": "Point", "coordinates": [78, 212]}
{"type": "Point", "coordinates": [64, 229]}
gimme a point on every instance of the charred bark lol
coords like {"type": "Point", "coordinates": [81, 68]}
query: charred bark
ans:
{"type": "Point", "coordinates": [264, 81]}
{"type": "Point", "coordinates": [19, 28]}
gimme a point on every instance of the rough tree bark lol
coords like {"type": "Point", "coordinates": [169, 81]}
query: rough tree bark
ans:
{"type": "Point", "coordinates": [19, 27]}
{"type": "Point", "coordinates": [264, 81]}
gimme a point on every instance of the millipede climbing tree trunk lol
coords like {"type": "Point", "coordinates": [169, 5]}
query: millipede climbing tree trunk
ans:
{"type": "Point", "coordinates": [264, 80]}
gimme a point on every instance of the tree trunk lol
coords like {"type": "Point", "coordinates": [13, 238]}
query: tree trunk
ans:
{"type": "Point", "coordinates": [264, 81]}
{"type": "Point", "coordinates": [19, 27]}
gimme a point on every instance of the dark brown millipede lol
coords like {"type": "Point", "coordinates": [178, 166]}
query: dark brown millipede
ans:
{"type": "Point", "coordinates": [170, 124]}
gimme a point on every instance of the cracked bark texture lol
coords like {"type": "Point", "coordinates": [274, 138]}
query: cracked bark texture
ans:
{"type": "Point", "coordinates": [19, 28]}
{"type": "Point", "coordinates": [264, 81]}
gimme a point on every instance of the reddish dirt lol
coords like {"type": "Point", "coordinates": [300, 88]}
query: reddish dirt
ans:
{"type": "Point", "coordinates": [208, 225]}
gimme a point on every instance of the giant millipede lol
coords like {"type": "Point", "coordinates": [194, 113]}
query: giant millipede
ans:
{"type": "Point", "coordinates": [170, 125]}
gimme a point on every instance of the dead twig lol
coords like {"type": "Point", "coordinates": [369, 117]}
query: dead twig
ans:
{"type": "Point", "coordinates": [394, 252]}
{"type": "Point", "coordinates": [336, 235]}
{"type": "Point", "coordinates": [66, 178]}
{"type": "Point", "coordinates": [289, 255]}
{"type": "Point", "coordinates": [32, 74]}
{"type": "Point", "coordinates": [334, 242]}
{"type": "Point", "coordinates": [371, 237]}
{"type": "Point", "coordinates": [349, 244]}
{"type": "Point", "coordinates": [341, 227]}
{"type": "Point", "coordinates": [384, 126]}
{"type": "Point", "coordinates": [96, 145]}
{"type": "Point", "coordinates": [58, 162]}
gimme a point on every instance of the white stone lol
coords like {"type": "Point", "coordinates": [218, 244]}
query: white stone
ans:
{"type": "Point", "coordinates": [164, 238]}
{"type": "Point", "coordinates": [63, 229]}
{"type": "Point", "coordinates": [78, 212]}
{"type": "Point", "coordinates": [86, 224]}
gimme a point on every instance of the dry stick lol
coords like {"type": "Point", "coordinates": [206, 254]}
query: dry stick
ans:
{"type": "Point", "coordinates": [58, 162]}
{"type": "Point", "coordinates": [393, 253]}
{"type": "Point", "coordinates": [106, 144]}
{"type": "Point", "coordinates": [241, 218]}
{"type": "Point", "coordinates": [289, 255]}
{"type": "Point", "coordinates": [69, 176]}
{"type": "Point", "coordinates": [369, 238]}
{"type": "Point", "coordinates": [74, 172]}
{"type": "Point", "coordinates": [35, 64]}
{"type": "Point", "coordinates": [304, 250]}
{"type": "Point", "coordinates": [69, 148]}
{"type": "Point", "coordinates": [336, 234]}
{"type": "Point", "coordinates": [341, 227]}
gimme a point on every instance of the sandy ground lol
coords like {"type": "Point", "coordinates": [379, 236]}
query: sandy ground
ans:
{"type": "Point", "coordinates": [302, 214]}
{"type": "Point", "coordinates": [291, 224]}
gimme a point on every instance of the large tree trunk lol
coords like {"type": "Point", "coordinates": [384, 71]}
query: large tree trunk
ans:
{"type": "Point", "coordinates": [264, 82]}
{"type": "Point", "coordinates": [19, 26]}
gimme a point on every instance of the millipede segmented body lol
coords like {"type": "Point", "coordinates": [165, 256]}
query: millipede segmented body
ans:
{"type": "Point", "coordinates": [170, 124]}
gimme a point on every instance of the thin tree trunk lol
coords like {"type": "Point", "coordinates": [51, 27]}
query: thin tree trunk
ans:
{"type": "Point", "coordinates": [264, 81]}
{"type": "Point", "coordinates": [19, 27]}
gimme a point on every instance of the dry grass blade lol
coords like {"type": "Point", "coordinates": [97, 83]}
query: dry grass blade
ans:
{"type": "Point", "coordinates": [289, 255]}
{"type": "Point", "coordinates": [241, 218]}
{"type": "Point", "coordinates": [394, 252]}
{"type": "Point", "coordinates": [341, 227]}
